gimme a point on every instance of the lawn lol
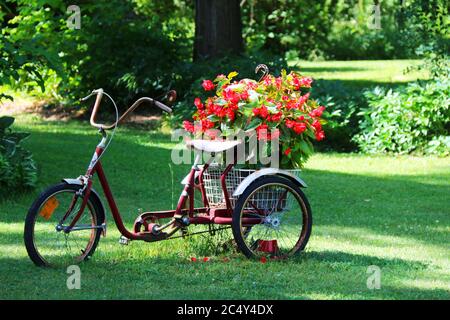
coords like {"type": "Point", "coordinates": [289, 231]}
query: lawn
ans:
{"type": "Point", "coordinates": [362, 72]}
{"type": "Point", "coordinates": [391, 212]}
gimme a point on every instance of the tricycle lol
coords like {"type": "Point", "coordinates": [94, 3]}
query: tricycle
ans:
{"type": "Point", "coordinates": [266, 209]}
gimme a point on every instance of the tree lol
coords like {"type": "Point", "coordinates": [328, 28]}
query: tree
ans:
{"type": "Point", "coordinates": [218, 28]}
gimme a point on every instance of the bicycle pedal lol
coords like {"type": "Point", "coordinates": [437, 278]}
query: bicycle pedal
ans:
{"type": "Point", "coordinates": [124, 240]}
{"type": "Point", "coordinates": [183, 220]}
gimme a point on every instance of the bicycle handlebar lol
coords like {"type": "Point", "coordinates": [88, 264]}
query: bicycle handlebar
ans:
{"type": "Point", "coordinates": [138, 102]}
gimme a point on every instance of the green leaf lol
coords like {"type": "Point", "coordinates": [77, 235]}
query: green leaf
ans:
{"type": "Point", "coordinates": [232, 74]}
{"type": "Point", "coordinates": [253, 124]}
{"type": "Point", "coordinates": [213, 118]}
{"type": "Point", "coordinates": [6, 122]}
{"type": "Point", "coordinates": [305, 147]}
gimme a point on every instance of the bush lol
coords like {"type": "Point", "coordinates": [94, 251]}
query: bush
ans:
{"type": "Point", "coordinates": [296, 25]}
{"type": "Point", "coordinates": [121, 46]}
{"type": "Point", "coordinates": [17, 167]}
{"type": "Point", "coordinates": [415, 118]}
{"type": "Point", "coordinates": [123, 51]}
{"type": "Point", "coordinates": [343, 103]}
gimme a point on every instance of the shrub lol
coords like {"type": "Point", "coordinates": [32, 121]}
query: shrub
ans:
{"type": "Point", "coordinates": [415, 118]}
{"type": "Point", "coordinates": [343, 104]}
{"type": "Point", "coordinates": [17, 167]}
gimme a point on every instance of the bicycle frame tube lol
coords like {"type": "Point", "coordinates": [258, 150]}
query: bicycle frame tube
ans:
{"type": "Point", "coordinates": [95, 167]}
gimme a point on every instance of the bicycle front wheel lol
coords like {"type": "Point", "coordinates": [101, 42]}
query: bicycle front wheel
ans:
{"type": "Point", "coordinates": [46, 242]}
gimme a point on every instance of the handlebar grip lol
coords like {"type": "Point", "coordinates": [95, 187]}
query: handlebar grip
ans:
{"type": "Point", "coordinates": [99, 93]}
{"type": "Point", "coordinates": [162, 106]}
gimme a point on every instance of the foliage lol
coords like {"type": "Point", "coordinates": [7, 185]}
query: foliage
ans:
{"type": "Point", "coordinates": [273, 110]}
{"type": "Point", "coordinates": [430, 30]}
{"type": "Point", "coordinates": [298, 25]}
{"type": "Point", "coordinates": [360, 33]}
{"type": "Point", "coordinates": [415, 118]}
{"type": "Point", "coordinates": [23, 52]}
{"type": "Point", "coordinates": [130, 57]}
{"type": "Point", "coordinates": [17, 167]}
{"type": "Point", "coordinates": [343, 103]}
{"type": "Point", "coordinates": [118, 47]}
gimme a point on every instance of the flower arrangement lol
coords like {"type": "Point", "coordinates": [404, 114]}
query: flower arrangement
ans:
{"type": "Point", "coordinates": [274, 107]}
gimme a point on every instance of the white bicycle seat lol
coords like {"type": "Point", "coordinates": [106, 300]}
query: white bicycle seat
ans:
{"type": "Point", "coordinates": [212, 146]}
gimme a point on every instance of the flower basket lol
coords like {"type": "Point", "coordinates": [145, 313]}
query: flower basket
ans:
{"type": "Point", "coordinates": [214, 192]}
{"type": "Point", "coordinates": [274, 110]}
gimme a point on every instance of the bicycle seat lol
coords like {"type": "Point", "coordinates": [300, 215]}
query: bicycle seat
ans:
{"type": "Point", "coordinates": [212, 146]}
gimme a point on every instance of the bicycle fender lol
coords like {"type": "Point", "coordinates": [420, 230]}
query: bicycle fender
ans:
{"type": "Point", "coordinates": [267, 171]}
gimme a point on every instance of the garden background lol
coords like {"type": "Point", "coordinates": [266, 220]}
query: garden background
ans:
{"type": "Point", "coordinates": [378, 184]}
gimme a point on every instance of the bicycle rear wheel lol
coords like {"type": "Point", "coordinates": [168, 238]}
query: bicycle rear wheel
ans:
{"type": "Point", "coordinates": [46, 242]}
{"type": "Point", "coordinates": [272, 218]}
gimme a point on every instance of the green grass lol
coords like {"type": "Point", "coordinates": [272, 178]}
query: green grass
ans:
{"type": "Point", "coordinates": [392, 212]}
{"type": "Point", "coordinates": [362, 72]}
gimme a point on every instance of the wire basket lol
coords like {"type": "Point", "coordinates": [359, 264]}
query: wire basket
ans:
{"type": "Point", "coordinates": [265, 198]}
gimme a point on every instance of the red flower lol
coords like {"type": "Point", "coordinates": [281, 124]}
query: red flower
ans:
{"type": "Point", "coordinates": [263, 259]}
{"type": "Point", "coordinates": [230, 114]}
{"type": "Point", "coordinates": [296, 83]}
{"type": "Point", "coordinates": [205, 259]}
{"type": "Point", "coordinates": [188, 126]}
{"type": "Point", "coordinates": [275, 117]}
{"type": "Point", "coordinates": [262, 112]}
{"type": "Point", "coordinates": [287, 151]}
{"type": "Point", "coordinates": [301, 101]}
{"type": "Point", "coordinates": [299, 127]}
{"type": "Point", "coordinates": [261, 132]}
{"type": "Point", "coordinates": [316, 124]}
{"type": "Point", "coordinates": [208, 85]}
{"type": "Point", "coordinates": [218, 110]}
{"type": "Point", "coordinates": [267, 80]}
{"type": "Point", "coordinates": [231, 96]}
{"type": "Point", "coordinates": [290, 123]}
{"type": "Point", "coordinates": [320, 135]}
{"type": "Point", "coordinates": [278, 82]}
{"type": "Point", "coordinates": [306, 82]}
{"type": "Point", "coordinates": [316, 113]}
{"type": "Point", "coordinates": [198, 103]}
{"type": "Point", "coordinates": [244, 96]}
{"type": "Point", "coordinates": [206, 124]}
{"type": "Point", "coordinates": [193, 259]}
{"type": "Point", "coordinates": [291, 104]}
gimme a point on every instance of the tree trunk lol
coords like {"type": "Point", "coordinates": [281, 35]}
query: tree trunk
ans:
{"type": "Point", "coordinates": [218, 28]}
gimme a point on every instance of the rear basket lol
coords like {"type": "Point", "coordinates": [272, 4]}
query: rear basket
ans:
{"type": "Point", "coordinates": [214, 191]}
